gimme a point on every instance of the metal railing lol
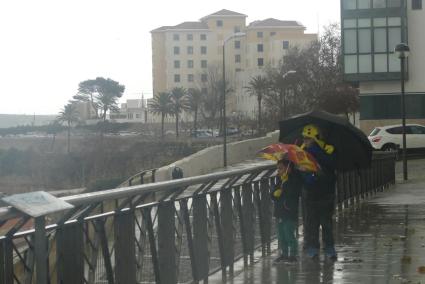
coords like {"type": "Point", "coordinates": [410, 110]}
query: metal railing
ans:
{"type": "Point", "coordinates": [175, 231]}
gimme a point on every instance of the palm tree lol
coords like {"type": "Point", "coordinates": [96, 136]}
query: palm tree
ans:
{"type": "Point", "coordinates": [179, 103]}
{"type": "Point", "coordinates": [68, 114]}
{"type": "Point", "coordinates": [161, 104]}
{"type": "Point", "coordinates": [258, 86]}
{"type": "Point", "coordinates": [195, 99]}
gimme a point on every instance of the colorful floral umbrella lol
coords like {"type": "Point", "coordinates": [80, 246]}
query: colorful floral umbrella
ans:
{"type": "Point", "coordinates": [302, 160]}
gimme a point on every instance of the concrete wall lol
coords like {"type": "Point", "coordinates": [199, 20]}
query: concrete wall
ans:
{"type": "Point", "coordinates": [210, 159]}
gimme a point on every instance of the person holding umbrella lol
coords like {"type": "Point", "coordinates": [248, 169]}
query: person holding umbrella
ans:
{"type": "Point", "coordinates": [293, 165]}
{"type": "Point", "coordinates": [319, 194]}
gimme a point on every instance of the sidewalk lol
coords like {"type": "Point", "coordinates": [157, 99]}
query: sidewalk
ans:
{"type": "Point", "coordinates": [381, 240]}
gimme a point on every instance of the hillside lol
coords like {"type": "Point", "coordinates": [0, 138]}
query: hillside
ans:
{"type": "Point", "coordinates": [12, 120]}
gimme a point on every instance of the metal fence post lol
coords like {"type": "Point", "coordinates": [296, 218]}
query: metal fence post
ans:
{"type": "Point", "coordinates": [166, 242]}
{"type": "Point", "coordinates": [40, 249]}
{"type": "Point", "coordinates": [70, 253]}
{"type": "Point", "coordinates": [125, 248]}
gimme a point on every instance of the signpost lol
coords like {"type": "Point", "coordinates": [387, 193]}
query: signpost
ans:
{"type": "Point", "coordinates": [37, 205]}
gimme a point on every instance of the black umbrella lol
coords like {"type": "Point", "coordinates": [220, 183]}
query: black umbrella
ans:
{"type": "Point", "coordinates": [352, 148]}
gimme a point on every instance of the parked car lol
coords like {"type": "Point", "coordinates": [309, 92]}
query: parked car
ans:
{"type": "Point", "coordinates": [202, 133]}
{"type": "Point", "coordinates": [388, 138]}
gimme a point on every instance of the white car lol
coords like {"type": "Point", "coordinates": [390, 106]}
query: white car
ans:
{"type": "Point", "coordinates": [390, 138]}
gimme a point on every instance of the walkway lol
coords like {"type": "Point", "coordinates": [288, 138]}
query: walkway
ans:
{"type": "Point", "coordinates": [381, 240]}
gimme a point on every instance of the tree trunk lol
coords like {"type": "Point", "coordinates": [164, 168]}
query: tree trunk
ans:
{"type": "Point", "coordinates": [259, 115]}
{"type": "Point", "coordinates": [69, 138]}
{"type": "Point", "coordinates": [195, 120]}
{"type": "Point", "coordinates": [281, 104]}
{"type": "Point", "coordinates": [177, 125]}
{"type": "Point", "coordinates": [162, 124]}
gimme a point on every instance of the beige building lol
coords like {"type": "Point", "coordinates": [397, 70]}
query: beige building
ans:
{"type": "Point", "coordinates": [185, 55]}
{"type": "Point", "coordinates": [131, 111]}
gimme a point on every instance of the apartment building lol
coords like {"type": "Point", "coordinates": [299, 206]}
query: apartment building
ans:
{"type": "Point", "coordinates": [370, 31]}
{"type": "Point", "coordinates": [185, 55]}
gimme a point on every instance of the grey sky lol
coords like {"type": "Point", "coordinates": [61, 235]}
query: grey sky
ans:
{"type": "Point", "coordinates": [49, 46]}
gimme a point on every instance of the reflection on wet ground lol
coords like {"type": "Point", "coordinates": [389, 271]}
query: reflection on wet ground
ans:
{"type": "Point", "coordinates": [376, 243]}
{"type": "Point", "coordinates": [381, 240]}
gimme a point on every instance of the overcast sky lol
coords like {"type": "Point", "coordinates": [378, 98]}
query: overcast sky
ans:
{"type": "Point", "coordinates": [48, 46]}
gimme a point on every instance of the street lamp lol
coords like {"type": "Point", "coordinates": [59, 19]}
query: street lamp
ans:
{"type": "Point", "coordinates": [280, 97]}
{"type": "Point", "coordinates": [239, 34]}
{"type": "Point", "coordinates": [402, 52]}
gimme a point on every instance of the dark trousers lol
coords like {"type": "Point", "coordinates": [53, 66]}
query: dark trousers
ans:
{"type": "Point", "coordinates": [319, 214]}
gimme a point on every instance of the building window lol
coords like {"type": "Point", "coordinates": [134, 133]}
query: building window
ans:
{"type": "Point", "coordinates": [238, 70]}
{"type": "Point", "coordinates": [219, 23]}
{"type": "Point", "coordinates": [176, 37]}
{"type": "Point", "coordinates": [203, 50]}
{"type": "Point", "coordinates": [379, 4]}
{"type": "Point", "coordinates": [259, 34]}
{"type": "Point", "coordinates": [176, 78]}
{"type": "Point", "coordinates": [350, 64]}
{"type": "Point", "coordinates": [394, 3]}
{"type": "Point", "coordinates": [285, 44]}
{"type": "Point", "coordinates": [190, 64]}
{"type": "Point", "coordinates": [237, 58]}
{"type": "Point", "coordinates": [236, 29]}
{"type": "Point", "coordinates": [260, 61]}
{"type": "Point", "coordinates": [189, 36]}
{"type": "Point", "coordinates": [349, 4]}
{"type": "Point", "coordinates": [190, 50]}
{"type": "Point", "coordinates": [416, 4]}
{"type": "Point", "coordinates": [260, 47]}
{"type": "Point", "coordinates": [203, 37]}
{"type": "Point", "coordinates": [204, 77]}
{"type": "Point", "coordinates": [190, 77]}
{"type": "Point", "coordinates": [272, 33]}
{"type": "Point", "coordinates": [138, 115]}
{"type": "Point", "coordinates": [176, 50]}
{"type": "Point", "coordinates": [350, 41]}
{"type": "Point", "coordinates": [364, 4]}
{"type": "Point", "coordinates": [203, 64]}
{"type": "Point", "coordinates": [176, 63]}
{"type": "Point", "coordinates": [237, 44]}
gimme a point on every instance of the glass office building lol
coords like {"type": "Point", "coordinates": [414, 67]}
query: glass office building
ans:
{"type": "Point", "coordinates": [370, 30]}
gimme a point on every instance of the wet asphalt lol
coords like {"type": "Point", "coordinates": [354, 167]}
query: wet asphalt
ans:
{"type": "Point", "coordinates": [378, 240]}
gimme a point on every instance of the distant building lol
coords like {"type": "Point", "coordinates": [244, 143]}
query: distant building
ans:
{"type": "Point", "coordinates": [370, 31]}
{"type": "Point", "coordinates": [85, 110]}
{"type": "Point", "coordinates": [132, 111]}
{"type": "Point", "coordinates": [183, 55]}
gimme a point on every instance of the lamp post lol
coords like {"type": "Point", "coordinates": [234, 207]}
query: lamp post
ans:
{"type": "Point", "coordinates": [402, 51]}
{"type": "Point", "coordinates": [281, 98]}
{"type": "Point", "coordinates": [240, 34]}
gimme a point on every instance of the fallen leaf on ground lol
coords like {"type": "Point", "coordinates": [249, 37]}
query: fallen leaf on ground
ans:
{"type": "Point", "coordinates": [421, 269]}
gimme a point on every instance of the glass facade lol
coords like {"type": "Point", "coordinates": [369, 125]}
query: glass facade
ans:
{"type": "Point", "coordinates": [370, 31]}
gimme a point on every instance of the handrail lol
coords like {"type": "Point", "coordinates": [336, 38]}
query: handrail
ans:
{"type": "Point", "coordinates": [123, 192]}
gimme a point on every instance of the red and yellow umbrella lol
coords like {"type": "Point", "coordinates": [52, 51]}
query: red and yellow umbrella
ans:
{"type": "Point", "coordinates": [303, 160]}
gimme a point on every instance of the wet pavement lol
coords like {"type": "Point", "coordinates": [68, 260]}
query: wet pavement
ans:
{"type": "Point", "coordinates": [379, 240]}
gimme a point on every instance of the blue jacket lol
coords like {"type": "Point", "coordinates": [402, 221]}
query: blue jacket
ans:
{"type": "Point", "coordinates": [321, 185]}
